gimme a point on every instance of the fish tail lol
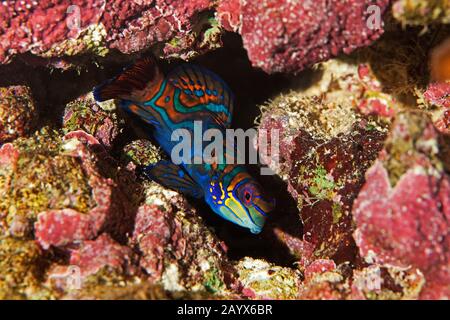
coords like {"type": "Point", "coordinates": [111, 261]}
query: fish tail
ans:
{"type": "Point", "coordinates": [136, 83]}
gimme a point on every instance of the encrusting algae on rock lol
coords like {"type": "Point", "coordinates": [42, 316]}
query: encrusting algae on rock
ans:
{"type": "Point", "coordinates": [18, 113]}
{"type": "Point", "coordinates": [326, 146]}
{"type": "Point", "coordinates": [362, 187]}
{"type": "Point", "coordinates": [38, 180]}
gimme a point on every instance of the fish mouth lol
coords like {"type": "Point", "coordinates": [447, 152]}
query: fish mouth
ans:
{"type": "Point", "coordinates": [249, 224]}
{"type": "Point", "coordinates": [255, 229]}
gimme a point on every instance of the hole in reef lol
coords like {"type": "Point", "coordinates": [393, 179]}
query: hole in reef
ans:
{"type": "Point", "coordinates": [253, 87]}
{"type": "Point", "coordinates": [53, 89]}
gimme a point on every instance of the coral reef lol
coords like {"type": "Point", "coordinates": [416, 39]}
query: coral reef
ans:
{"type": "Point", "coordinates": [18, 113]}
{"type": "Point", "coordinates": [421, 12]}
{"type": "Point", "coordinates": [100, 121]}
{"type": "Point", "coordinates": [59, 30]}
{"type": "Point", "coordinates": [56, 190]}
{"type": "Point", "coordinates": [177, 249]}
{"type": "Point", "coordinates": [277, 43]}
{"type": "Point", "coordinates": [402, 211]}
{"type": "Point", "coordinates": [326, 148]}
{"type": "Point", "coordinates": [358, 90]}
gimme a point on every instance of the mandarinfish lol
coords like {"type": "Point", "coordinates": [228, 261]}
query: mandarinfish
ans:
{"type": "Point", "coordinates": [185, 96]}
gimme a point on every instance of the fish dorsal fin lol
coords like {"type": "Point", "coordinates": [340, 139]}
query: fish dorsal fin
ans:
{"type": "Point", "coordinates": [136, 83]}
{"type": "Point", "coordinates": [200, 86]}
{"type": "Point", "coordinates": [173, 177]}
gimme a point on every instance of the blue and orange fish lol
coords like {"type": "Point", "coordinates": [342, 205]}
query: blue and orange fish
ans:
{"type": "Point", "coordinates": [190, 93]}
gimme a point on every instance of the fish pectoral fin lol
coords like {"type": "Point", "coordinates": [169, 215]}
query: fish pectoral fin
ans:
{"type": "Point", "coordinates": [173, 177]}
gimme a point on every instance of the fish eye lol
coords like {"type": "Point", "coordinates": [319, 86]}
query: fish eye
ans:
{"type": "Point", "coordinates": [247, 198]}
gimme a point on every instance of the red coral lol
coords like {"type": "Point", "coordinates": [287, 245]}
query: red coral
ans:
{"type": "Point", "coordinates": [438, 93]}
{"type": "Point", "coordinates": [287, 36]}
{"type": "Point", "coordinates": [113, 211]}
{"type": "Point", "coordinates": [60, 227]}
{"type": "Point", "coordinates": [407, 225]}
{"type": "Point", "coordinates": [38, 25]}
{"type": "Point", "coordinates": [131, 26]}
{"type": "Point", "coordinates": [228, 14]}
{"type": "Point", "coordinates": [154, 231]}
{"type": "Point", "coordinates": [94, 255]}
{"type": "Point", "coordinates": [319, 266]}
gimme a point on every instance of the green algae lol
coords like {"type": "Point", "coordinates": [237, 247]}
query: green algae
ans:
{"type": "Point", "coordinates": [337, 212]}
{"type": "Point", "coordinates": [322, 186]}
{"type": "Point", "coordinates": [213, 282]}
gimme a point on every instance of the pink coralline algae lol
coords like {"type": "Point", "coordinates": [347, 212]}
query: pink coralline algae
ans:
{"type": "Point", "coordinates": [94, 266]}
{"type": "Point", "coordinates": [61, 227]}
{"type": "Point", "coordinates": [406, 224]}
{"type": "Point", "coordinates": [154, 232]}
{"type": "Point", "coordinates": [93, 255]}
{"type": "Point", "coordinates": [319, 266]}
{"type": "Point", "coordinates": [229, 14]}
{"type": "Point", "coordinates": [149, 22]}
{"type": "Point", "coordinates": [328, 185]}
{"type": "Point", "coordinates": [438, 93]}
{"type": "Point", "coordinates": [373, 100]}
{"type": "Point", "coordinates": [276, 41]}
{"type": "Point", "coordinates": [56, 29]}
{"type": "Point", "coordinates": [38, 203]}
{"type": "Point", "coordinates": [287, 36]}
{"type": "Point", "coordinates": [326, 146]}
{"type": "Point", "coordinates": [172, 245]}
{"type": "Point", "coordinates": [8, 155]}
{"type": "Point", "coordinates": [38, 26]}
